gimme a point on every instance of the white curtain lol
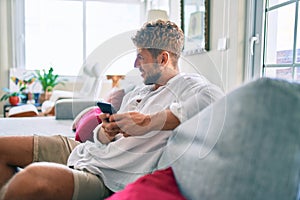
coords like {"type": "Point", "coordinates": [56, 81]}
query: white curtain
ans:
{"type": "Point", "coordinates": [5, 45]}
{"type": "Point", "coordinates": [5, 41]}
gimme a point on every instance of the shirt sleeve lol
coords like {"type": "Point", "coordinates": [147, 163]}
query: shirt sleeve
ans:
{"type": "Point", "coordinates": [95, 132]}
{"type": "Point", "coordinates": [196, 102]}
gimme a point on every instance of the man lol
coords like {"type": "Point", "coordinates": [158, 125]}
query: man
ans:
{"type": "Point", "coordinates": [126, 145]}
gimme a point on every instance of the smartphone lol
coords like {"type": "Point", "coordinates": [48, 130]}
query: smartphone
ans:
{"type": "Point", "coordinates": [106, 107]}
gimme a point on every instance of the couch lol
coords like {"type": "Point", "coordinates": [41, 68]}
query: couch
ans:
{"type": "Point", "coordinates": [244, 146]}
{"type": "Point", "coordinates": [87, 90]}
{"type": "Point", "coordinates": [65, 112]}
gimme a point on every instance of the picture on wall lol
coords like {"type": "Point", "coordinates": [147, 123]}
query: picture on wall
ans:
{"type": "Point", "coordinates": [196, 24]}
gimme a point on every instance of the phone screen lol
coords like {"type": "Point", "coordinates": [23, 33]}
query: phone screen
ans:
{"type": "Point", "coordinates": [106, 107]}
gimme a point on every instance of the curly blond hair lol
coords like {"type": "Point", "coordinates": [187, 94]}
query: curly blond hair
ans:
{"type": "Point", "coordinates": [160, 34]}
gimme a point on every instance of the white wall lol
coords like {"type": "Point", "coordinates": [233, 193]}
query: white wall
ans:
{"type": "Point", "coordinates": [225, 68]}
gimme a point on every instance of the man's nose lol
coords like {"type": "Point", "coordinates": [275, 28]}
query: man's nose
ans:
{"type": "Point", "coordinates": [136, 63]}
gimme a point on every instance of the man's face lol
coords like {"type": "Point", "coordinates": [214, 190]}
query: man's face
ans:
{"type": "Point", "coordinates": [148, 66]}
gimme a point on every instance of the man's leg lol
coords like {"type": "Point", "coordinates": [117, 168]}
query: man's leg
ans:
{"type": "Point", "coordinates": [40, 181]}
{"type": "Point", "coordinates": [44, 179]}
{"type": "Point", "coordinates": [14, 152]}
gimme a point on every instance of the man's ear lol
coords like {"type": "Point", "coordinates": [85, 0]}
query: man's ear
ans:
{"type": "Point", "coordinates": [165, 56]}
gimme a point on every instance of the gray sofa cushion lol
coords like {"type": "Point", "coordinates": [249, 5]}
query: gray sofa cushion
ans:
{"type": "Point", "coordinates": [35, 125]}
{"type": "Point", "coordinates": [245, 146]}
{"type": "Point", "coordinates": [70, 108]}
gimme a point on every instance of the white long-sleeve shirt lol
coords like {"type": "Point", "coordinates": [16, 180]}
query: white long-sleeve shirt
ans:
{"type": "Point", "coordinates": [127, 158]}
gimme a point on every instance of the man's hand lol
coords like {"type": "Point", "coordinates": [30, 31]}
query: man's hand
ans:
{"type": "Point", "coordinates": [137, 124]}
{"type": "Point", "coordinates": [109, 128]}
{"type": "Point", "coordinates": [131, 123]}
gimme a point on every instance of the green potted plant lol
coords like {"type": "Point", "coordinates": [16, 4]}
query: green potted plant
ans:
{"type": "Point", "coordinates": [13, 97]}
{"type": "Point", "coordinates": [23, 85]}
{"type": "Point", "coordinates": [48, 81]}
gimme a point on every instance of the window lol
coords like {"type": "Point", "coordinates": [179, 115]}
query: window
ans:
{"type": "Point", "coordinates": [277, 53]}
{"type": "Point", "coordinates": [62, 33]}
{"type": "Point", "coordinates": [282, 46]}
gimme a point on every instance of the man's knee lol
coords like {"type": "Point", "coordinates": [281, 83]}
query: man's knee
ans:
{"type": "Point", "coordinates": [16, 150]}
{"type": "Point", "coordinates": [26, 182]}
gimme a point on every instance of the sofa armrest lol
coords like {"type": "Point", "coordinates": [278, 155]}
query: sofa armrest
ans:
{"type": "Point", "coordinates": [70, 108]}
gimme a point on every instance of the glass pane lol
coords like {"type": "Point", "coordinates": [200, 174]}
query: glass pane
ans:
{"type": "Point", "coordinates": [275, 2]}
{"type": "Point", "coordinates": [53, 35]}
{"type": "Point", "coordinates": [125, 61]}
{"type": "Point", "coordinates": [106, 19]}
{"type": "Point", "coordinates": [297, 74]}
{"type": "Point", "coordinates": [298, 40]}
{"type": "Point", "coordinates": [280, 35]}
{"type": "Point", "coordinates": [279, 72]}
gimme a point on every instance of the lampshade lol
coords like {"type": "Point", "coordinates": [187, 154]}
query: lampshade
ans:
{"type": "Point", "coordinates": [155, 14]}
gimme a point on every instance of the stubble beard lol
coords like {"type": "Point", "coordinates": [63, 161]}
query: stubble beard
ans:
{"type": "Point", "coordinates": [153, 77]}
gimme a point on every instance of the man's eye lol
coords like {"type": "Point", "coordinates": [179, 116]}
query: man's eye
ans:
{"type": "Point", "coordinates": [140, 57]}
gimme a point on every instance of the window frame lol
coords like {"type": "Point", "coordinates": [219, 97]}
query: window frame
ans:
{"type": "Point", "coordinates": [256, 29]}
{"type": "Point", "coordinates": [293, 65]}
{"type": "Point", "coordinates": [18, 29]}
